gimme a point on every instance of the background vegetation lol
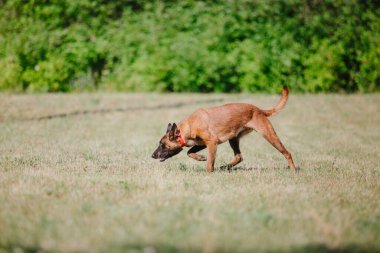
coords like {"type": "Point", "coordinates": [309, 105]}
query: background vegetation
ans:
{"type": "Point", "coordinates": [198, 46]}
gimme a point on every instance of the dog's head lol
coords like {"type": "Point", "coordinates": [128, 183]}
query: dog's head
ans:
{"type": "Point", "coordinates": [169, 144]}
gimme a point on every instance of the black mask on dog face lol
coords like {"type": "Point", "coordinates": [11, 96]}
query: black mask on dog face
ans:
{"type": "Point", "coordinates": [169, 144]}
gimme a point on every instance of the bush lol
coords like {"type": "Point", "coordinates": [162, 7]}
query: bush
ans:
{"type": "Point", "coordinates": [197, 46]}
{"type": "Point", "coordinates": [10, 74]}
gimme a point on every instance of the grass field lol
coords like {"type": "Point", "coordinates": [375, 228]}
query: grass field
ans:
{"type": "Point", "coordinates": [76, 176]}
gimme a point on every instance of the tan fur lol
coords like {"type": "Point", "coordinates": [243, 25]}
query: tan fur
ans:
{"type": "Point", "coordinates": [208, 127]}
{"type": "Point", "coordinates": [281, 104]}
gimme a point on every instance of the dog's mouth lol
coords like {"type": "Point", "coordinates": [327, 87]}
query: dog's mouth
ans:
{"type": "Point", "coordinates": [166, 155]}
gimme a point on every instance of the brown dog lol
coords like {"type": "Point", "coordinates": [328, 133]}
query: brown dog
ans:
{"type": "Point", "coordinates": [212, 126]}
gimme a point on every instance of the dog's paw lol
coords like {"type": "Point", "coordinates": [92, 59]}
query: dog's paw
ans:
{"type": "Point", "coordinates": [197, 157]}
{"type": "Point", "coordinates": [202, 158]}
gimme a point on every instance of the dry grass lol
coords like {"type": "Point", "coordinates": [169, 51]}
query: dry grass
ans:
{"type": "Point", "coordinates": [85, 182]}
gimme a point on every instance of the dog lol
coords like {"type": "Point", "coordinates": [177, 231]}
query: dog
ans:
{"type": "Point", "coordinates": [209, 127]}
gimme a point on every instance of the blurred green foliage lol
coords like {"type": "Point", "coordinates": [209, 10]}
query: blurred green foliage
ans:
{"type": "Point", "coordinates": [197, 46]}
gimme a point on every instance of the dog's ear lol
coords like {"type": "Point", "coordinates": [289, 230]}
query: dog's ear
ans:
{"type": "Point", "coordinates": [169, 128]}
{"type": "Point", "coordinates": [173, 132]}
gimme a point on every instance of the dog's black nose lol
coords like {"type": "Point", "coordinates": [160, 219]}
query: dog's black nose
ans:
{"type": "Point", "coordinates": [154, 156]}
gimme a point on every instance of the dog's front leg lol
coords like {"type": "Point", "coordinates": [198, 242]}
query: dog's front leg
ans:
{"type": "Point", "coordinates": [211, 146]}
{"type": "Point", "coordinates": [192, 153]}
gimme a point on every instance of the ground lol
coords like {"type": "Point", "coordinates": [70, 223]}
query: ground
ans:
{"type": "Point", "coordinates": [76, 175]}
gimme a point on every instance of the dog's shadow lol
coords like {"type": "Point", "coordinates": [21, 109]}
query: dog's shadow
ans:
{"type": "Point", "coordinates": [227, 168]}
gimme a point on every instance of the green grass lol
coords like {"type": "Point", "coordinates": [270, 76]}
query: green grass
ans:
{"type": "Point", "coordinates": [76, 176]}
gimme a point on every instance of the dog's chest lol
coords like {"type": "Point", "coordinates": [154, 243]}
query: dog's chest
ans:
{"type": "Point", "coordinates": [195, 142]}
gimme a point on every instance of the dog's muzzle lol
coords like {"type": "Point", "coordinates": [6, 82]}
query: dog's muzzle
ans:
{"type": "Point", "coordinates": [162, 156]}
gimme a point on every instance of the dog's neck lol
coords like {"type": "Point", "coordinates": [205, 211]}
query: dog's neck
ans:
{"type": "Point", "coordinates": [184, 129]}
{"type": "Point", "coordinates": [179, 136]}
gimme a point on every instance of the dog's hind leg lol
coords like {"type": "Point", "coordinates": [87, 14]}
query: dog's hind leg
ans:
{"type": "Point", "coordinates": [264, 127]}
{"type": "Point", "coordinates": [192, 153]}
{"type": "Point", "coordinates": [234, 143]}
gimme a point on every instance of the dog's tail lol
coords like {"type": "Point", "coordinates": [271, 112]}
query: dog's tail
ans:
{"type": "Point", "coordinates": [281, 104]}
